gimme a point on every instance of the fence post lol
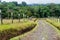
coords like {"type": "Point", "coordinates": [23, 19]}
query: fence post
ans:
{"type": "Point", "coordinates": [58, 20]}
{"type": "Point", "coordinates": [19, 17]}
{"type": "Point", "coordinates": [1, 17]}
{"type": "Point", "coordinates": [12, 16]}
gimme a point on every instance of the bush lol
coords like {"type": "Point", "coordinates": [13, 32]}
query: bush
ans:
{"type": "Point", "coordinates": [8, 31]}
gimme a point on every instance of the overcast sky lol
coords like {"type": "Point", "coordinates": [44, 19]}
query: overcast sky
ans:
{"type": "Point", "coordinates": [35, 1]}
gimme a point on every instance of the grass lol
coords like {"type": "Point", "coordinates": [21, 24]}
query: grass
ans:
{"type": "Point", "coordinates": [55, 24]}
{"type": "Point", "coordinates": [23, 35]}
{"type": "Point", "coordinates": [8, 31]}
{"type": "Point", "coordinates": [9, 21]}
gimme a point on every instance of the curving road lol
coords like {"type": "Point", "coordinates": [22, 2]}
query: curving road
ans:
{"type": "Point", "coordinates": [43, 32]}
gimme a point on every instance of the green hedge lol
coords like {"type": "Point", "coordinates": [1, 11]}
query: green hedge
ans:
{"type": "Point", "coordinates": [8, 31]}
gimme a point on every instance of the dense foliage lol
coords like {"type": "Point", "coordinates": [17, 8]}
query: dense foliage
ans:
{"type": "Point", "coordinates": [25, 10]}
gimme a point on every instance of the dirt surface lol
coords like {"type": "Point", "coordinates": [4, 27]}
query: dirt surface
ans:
{"type": "Point", "coordinates": [43, 32]}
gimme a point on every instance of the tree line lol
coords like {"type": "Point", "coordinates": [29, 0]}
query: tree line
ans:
{"type": "Point", "coordinates": [15, 10]}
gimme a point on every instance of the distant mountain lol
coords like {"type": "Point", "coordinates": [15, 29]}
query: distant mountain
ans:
{"type": "Point", "coordinates": [33, 4]}
{"type": "Point", "coordinates": [40, 4]}
{"type": "Point", "coordinates": [37, 4]}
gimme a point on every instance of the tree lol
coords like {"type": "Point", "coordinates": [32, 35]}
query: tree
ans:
{"type": "Point", "coordinates": [14, 2]}
{"type": "Point", "coordinates": [0, 0]}
{"type": "Point", "coordinates": [24, 3]}
{"type": "Point", "coordinates": [35, 11]}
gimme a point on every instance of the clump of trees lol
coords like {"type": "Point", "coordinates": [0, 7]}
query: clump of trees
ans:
{"type": "Point", "coordinates": [12, 9]}
{"type": "Point", "coordinates": [36, 11]}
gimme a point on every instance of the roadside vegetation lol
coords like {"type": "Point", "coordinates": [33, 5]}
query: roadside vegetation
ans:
{"type": "Point", "coordinates": [56, 25]}
{"type": "Point", "coordinates": [8, 31]}
{"type": "Point", "coordinates": [21, 36]}
{"type": "Point", "coordinates": [54, 22]}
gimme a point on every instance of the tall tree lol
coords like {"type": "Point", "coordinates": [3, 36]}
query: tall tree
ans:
{"type": "Point", "coordinates": [24, 3]}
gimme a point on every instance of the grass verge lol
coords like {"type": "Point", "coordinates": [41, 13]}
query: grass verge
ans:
{"type": "Point", "coordinates": [8, 31]}
{"type": "Point", "coordinates": [55, 25]}
{"type": "Point", "coordinates": [23, 35]}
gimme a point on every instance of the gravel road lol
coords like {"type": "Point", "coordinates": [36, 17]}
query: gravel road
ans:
{"type": "Point", "coordinates": [43, 32]}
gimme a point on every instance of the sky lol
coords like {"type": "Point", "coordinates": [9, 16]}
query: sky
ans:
{"type": "Point", "coordinates": [36, 1]}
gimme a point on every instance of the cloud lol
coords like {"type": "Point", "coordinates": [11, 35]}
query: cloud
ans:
{"type": "Point", "coordinates": [35, 1]}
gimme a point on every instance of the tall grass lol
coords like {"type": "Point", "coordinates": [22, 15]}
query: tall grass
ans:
{"type": "Point", "coordinates": [54, 22]}
{"type": "Point", "coordinates": [8, 31]}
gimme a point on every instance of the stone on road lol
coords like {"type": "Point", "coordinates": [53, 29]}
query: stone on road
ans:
{"type": "Point", "coordinates": [43, 32]}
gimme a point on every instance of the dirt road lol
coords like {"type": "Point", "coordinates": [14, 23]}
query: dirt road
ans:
{"type": "Point", "coordinates": [43, 32]}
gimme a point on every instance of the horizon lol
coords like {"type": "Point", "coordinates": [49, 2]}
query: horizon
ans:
{"type": "Point", "coordinates": [34, 1]}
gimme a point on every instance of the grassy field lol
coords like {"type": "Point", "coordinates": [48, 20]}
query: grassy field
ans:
{"type": "Point", "coordinates": [9, 21]}
{"type": "Point", "coordinates": [9, 30]}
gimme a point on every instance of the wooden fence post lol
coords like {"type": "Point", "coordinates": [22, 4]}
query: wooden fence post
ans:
{"type": "Point", "coordinates": [1, 17]}
{"type": "Point", "coordinates": [12, 16]}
